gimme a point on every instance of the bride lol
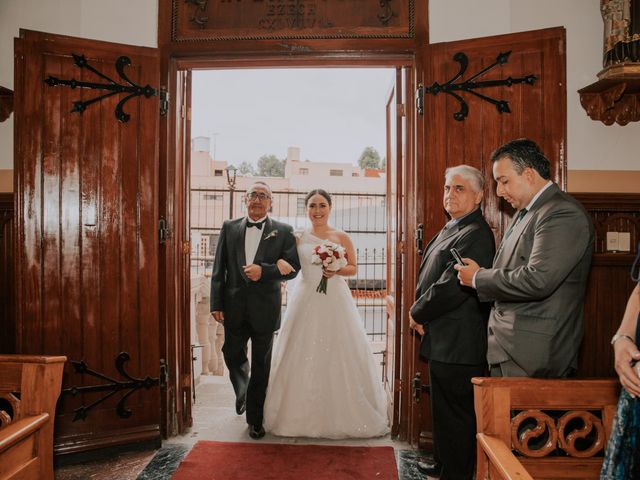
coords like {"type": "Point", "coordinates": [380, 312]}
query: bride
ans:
{"type": "Point", "coordinates": [323, 380]}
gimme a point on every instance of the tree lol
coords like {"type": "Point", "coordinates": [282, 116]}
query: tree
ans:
{"type": "Point", "coordinates": [247, 169]}
{"type": "Point", "coordinates": [370, 158]}
{"type": "Point", "coordinates": [270, 166]}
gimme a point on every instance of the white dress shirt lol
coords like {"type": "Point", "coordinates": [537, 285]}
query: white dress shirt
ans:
{"type": "Point", "coordinates": [252, 240]}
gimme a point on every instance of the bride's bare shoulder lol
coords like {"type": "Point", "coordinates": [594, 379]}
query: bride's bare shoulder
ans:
{"type": "Point", "coordinates": [342, 236]}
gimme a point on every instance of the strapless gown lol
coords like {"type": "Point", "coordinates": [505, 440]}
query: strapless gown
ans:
{"type": "Point", "coordinates": [323, 381]}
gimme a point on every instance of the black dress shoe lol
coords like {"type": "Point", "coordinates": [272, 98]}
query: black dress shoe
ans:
{"type": "Point", "coordinates": [241, 404]}
{"type": "Point", "coordinates": [428, 468]}
{"type": "Point", "coordinates": [256, 431]}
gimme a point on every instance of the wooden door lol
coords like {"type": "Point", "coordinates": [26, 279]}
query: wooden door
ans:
{"type": "Point", "coordinates": [174, 256]}
{"type": "Point", "coordinates": [446, 137]}
{"type": "Point", "coordinates": [87, 232]}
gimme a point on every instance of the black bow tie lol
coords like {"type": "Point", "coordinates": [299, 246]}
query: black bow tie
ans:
{"type": "Point", "coordinates": [258, 225]}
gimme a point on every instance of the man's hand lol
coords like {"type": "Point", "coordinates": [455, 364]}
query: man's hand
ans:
{"type": "Point", "coordinates": [253, 272]}
{"type": "Point", "coordinates": [413, 325]}
{"type": "Point", "coordinates": [466, 272]}
{"type": "Point", "coordinates": [625, 353]}
{"type": "Point", "coordinates": [218, 316]}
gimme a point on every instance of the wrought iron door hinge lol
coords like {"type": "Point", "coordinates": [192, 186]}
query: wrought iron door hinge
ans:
{"type": "Point", "coordinates": [420, 99]}
{"type": "Point", "coordinates": [111, 87]}
{"type": "Point", "coordinates": [418, 388]}
{"type": "Point", "coordinates": [164, 101]}
{"type": "Point", "coordinates": [470, 85]}
{"type": "Point", "coordinates": [127, 386]}
{"type": "Point", "coordinates": [419, 236]}
{"type": "Point", "coordinates": [164, 232]}
{"type": "Point", "coordinates": [163, 373]}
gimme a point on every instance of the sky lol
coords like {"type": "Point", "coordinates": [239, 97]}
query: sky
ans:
{"type": "Point", "coordinates": [331, 114]}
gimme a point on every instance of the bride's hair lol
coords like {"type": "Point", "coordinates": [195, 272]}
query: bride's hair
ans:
{"type": "Point", "coordinates": [317, 191]}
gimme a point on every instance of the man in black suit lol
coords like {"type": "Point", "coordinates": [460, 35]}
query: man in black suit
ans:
{"type": "Point", "coordinates": [246, 297]}
{"type": "Point", "coordinates": [452, 323]}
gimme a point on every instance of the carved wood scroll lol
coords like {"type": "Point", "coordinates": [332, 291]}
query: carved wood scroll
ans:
{"type": "Point", "coordinates": [576, 433]}
{"type": "Point", "coordinates": [198, 20]}
{"type": "Point", "coordinates": [612, 100]}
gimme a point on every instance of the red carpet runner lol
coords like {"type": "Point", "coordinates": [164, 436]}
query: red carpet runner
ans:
{"type": "Point", "coordinates": [265, 461]}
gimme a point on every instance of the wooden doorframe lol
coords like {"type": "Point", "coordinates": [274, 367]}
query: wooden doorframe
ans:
{"type": "Point", "coordinates": [176, 211]}
{"type": "Point", "coordinates": [178, 55]}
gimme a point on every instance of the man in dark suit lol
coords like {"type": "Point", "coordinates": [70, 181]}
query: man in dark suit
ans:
{"type": "Point", "coordinates": [246, 297]}
{"type": "Point", "coordinates": [453, 324]}
{"type": "Point", "coordinates": [539, 276]}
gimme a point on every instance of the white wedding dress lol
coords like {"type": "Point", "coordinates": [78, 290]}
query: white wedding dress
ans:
{"type": "Point", "coordinates": [323, 381]}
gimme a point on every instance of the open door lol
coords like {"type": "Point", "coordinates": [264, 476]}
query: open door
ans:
{"type": "Point", "coordinates": [86, 190]}
{"type": "Point", "coordinates": [399, 161]}
{"type": "Point", "coordinates": [461, 119]}
{"type": "Point", "coordinates": [394, 162]}
{"type": "Point", "coordinates": [175, 259]}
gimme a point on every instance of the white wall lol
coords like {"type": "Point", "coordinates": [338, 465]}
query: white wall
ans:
{"type": "Point", "coordinates": [124, 21]}
{"type": "Point", "coordinates": [590, 145]}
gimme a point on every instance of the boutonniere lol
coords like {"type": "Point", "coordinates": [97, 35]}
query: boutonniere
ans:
{"type": "Point", "coordinates": [271, 234]}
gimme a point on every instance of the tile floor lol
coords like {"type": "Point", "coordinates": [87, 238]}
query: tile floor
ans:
{"type": "Point", "coordinates": [214, 419]}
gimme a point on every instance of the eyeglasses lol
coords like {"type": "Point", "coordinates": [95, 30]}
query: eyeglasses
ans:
{"type": "Point", "coordinates": [257, 196]}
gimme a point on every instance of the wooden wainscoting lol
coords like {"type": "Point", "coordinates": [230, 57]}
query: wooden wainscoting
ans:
{"type": "Point", "coordinates": [609, 283]}
{"type": "Point", "coordinates": [7, 280]}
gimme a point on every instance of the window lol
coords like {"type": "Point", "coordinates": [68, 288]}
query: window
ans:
{"type": "Point", "coordinates": [214, 197]}
{"type": "Point", "coordinates": [335, 173]}
{"type": "Point", "coordinates": [217, 173]}
{"type": "Point", "coordinates": [301, 210]}
{"type": "Point", "coordinates": [355, 174]}
{"type": "Point", "coordinates": [303, 171]}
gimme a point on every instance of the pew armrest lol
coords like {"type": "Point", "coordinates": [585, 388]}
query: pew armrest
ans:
{"type": "Point", "coordinates": [500, 458]}
{"type": "Point", "coordinates": [15, 432]}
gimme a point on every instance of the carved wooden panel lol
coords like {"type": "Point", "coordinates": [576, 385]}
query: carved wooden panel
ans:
{"type": "Point", "coordinates": [609, 282]}
{"type": "Point", "coordinates": [198, 20]}
{"type": "Point", "coordinates": [7, 280]}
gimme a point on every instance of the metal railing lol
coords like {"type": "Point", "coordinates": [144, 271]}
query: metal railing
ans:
{"type": "Point", "coordinates": [361, 215]}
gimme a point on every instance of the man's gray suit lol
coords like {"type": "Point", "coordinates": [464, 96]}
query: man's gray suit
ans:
{"type": "Point", "coordinates": [537, 286]}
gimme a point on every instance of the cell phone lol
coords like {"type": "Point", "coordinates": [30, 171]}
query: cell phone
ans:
{"type": "Point", "coordinates": [457, 257]}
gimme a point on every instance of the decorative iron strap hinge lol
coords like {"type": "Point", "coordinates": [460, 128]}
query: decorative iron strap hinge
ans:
{"type": "Point", "coordinates": [164, 101]}
{"type": "Point", "coordinates": [470, 86]}
{"type": "Point", "coordinates": [113, 386]}
{"type": "Point", "coordinates": [112, 87]}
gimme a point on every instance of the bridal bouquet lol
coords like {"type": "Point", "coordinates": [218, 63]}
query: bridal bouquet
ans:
{"type": "Point", "coordinates": [331, 256]}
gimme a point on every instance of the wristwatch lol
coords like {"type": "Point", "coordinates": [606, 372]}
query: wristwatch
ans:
{"type": "Point", "coordinates": [618, 336]}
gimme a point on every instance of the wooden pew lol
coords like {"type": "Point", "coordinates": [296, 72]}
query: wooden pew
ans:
{"type": "Point", "coordinates": [29, 389]}
{"type": "Point", "coordinates": [542, 429]}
